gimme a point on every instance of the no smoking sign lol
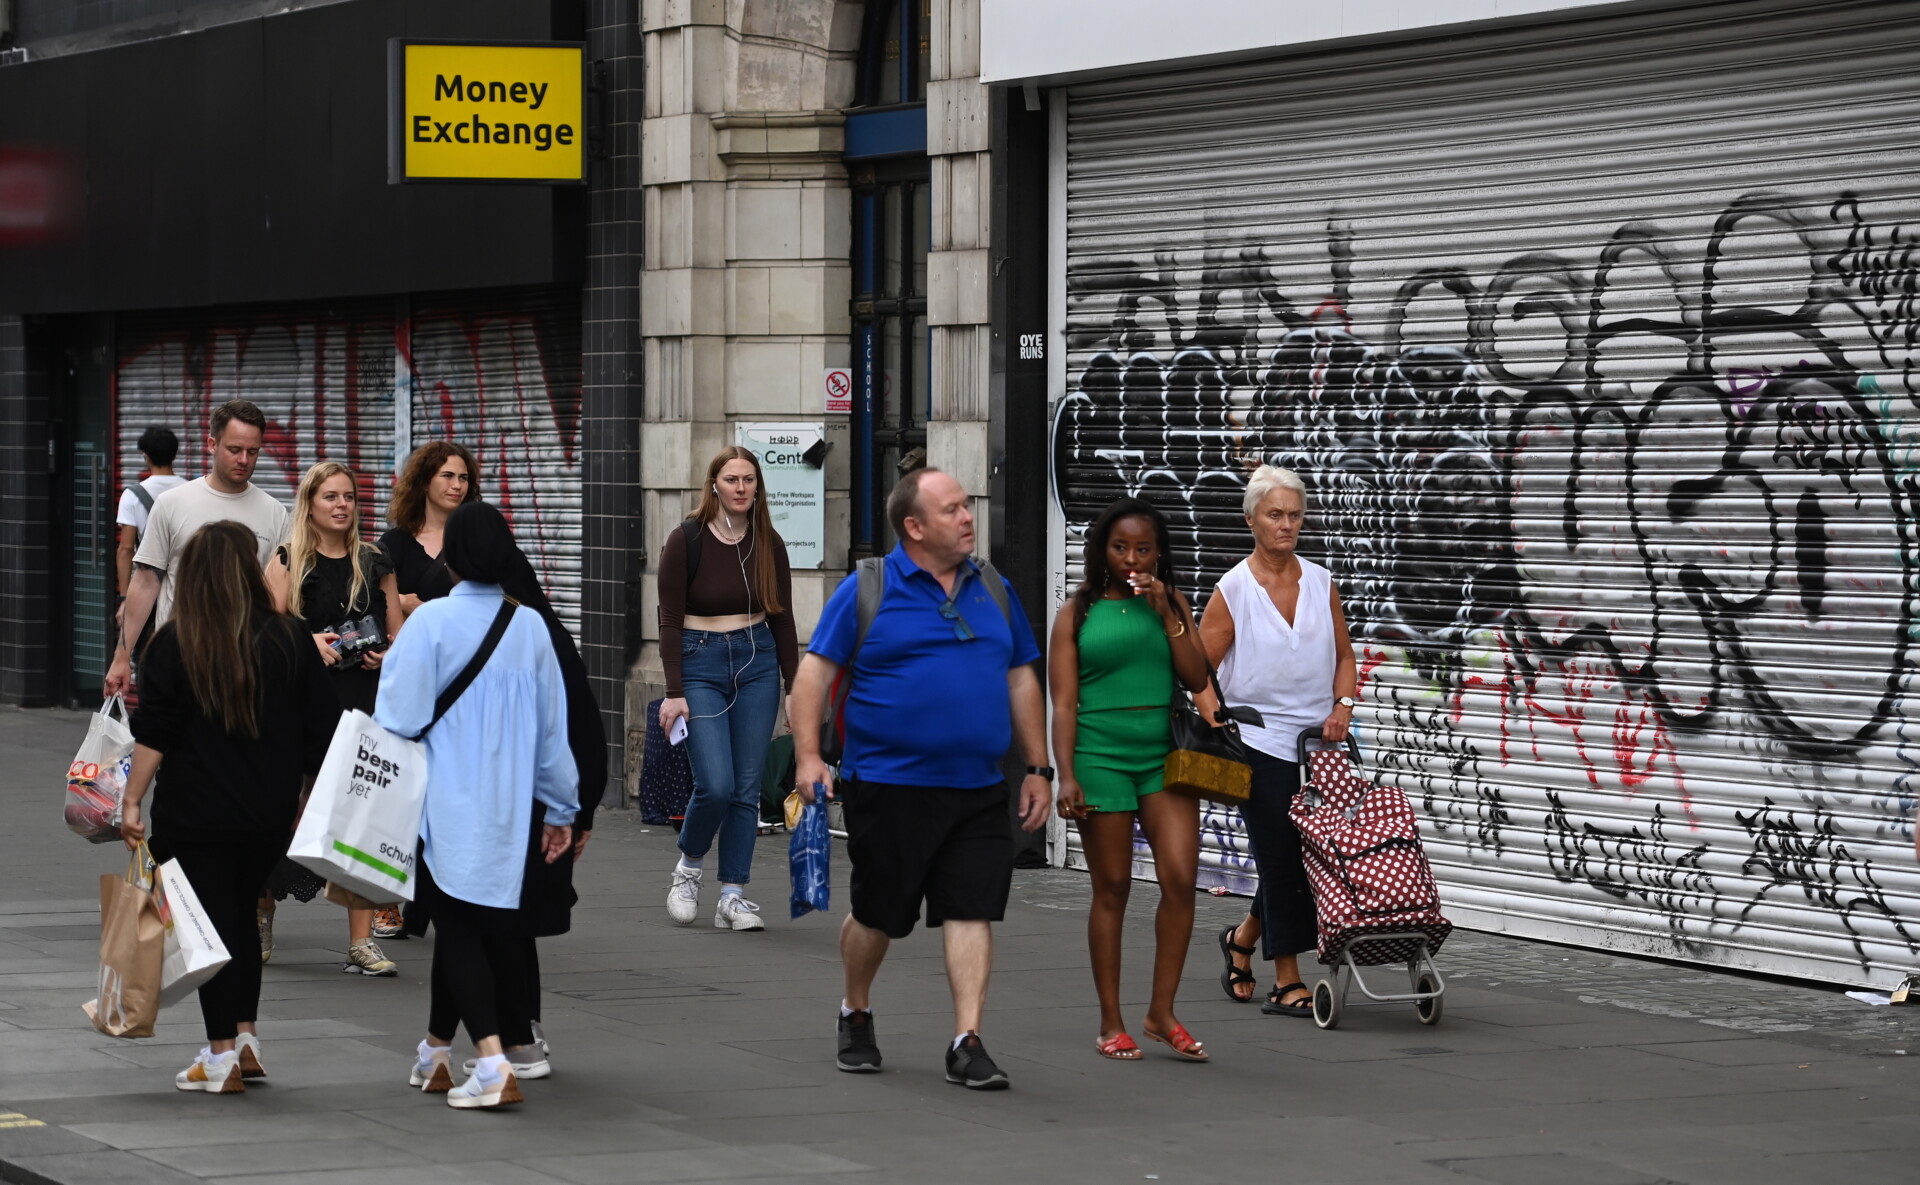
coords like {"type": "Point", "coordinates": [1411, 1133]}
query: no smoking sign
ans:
{"type": "Point", "coordinates": [839, 389]}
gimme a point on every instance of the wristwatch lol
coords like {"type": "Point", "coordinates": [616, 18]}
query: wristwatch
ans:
{"type": "Point", "coordinates": [1347, 701]}
{"type": "Point", "coordinates": [1045, 771]}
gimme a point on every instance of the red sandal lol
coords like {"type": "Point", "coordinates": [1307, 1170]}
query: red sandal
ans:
{"type": "Point", "coordinates": [1119, 1047]}
{"type": "Point", "coordinates": [1179, 1040]}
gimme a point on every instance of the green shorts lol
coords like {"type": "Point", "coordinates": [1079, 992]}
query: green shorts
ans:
{"type": "Point", "coordinates": [1120, 756]}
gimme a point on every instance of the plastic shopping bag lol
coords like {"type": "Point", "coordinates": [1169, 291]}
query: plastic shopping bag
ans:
{"type": "Point", "coordinates": [362, 823]}
{"type": "Point", "coordinates": [809, 853]}
{"type": "Point", "coordinates": [98, 776]}
{"type": "Point", "coordinates": [193, 953]}
{"type": "Point", "coordinates": [132, 947]}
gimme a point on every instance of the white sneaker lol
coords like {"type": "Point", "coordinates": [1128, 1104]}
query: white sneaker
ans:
{"type": "Point", "coordinates": [478, 1092]}
{"type": "Point", "coordinates": [247, 1046]}
{"type": "Point", "coordinates": [736, 913]}
{"type": "Point", "coordinates": [540, 1038]}
{"type": "Point", "coordinates": [683, 895]}
{"type": "Point", "coordinates": [215, 1073]}
{"type": "Point", "coordinates": [528, 1063]}
{"type": "Point", "coordinates": [433, 1072]}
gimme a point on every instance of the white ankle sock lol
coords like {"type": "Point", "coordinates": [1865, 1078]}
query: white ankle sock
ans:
{"type": "Point", "coordinates": [733, 890]}
{"type": "Point", "coordinates": [846, 1011]}
{"type": "Point", "coordinates": [492, 1068]}
{"type": "Point", "coordinates": [689, 864]}
{"type": "Point", "coordinates": [960, 1038]}
{"type": "Point", "coordinates": [426, 1052]}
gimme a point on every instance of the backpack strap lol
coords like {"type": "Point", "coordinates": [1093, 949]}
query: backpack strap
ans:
{"type": "Point", "coordinates": [471, 671]}
{"type": "Point", "coordinates": [139, 491]}
{"type": "Point", "coordinates": [997, 589]}
{"type": "Point", "coordinates": [866, 604]}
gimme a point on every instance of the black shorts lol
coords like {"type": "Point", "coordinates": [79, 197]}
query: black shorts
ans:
{"type": "Point", "coordinates": [952, 849]}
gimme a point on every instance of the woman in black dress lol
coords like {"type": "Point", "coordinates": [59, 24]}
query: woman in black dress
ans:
{"type": "Point", "coordinates": [438, 479]}
{"type": "Point", "coordinates": [328, 578]}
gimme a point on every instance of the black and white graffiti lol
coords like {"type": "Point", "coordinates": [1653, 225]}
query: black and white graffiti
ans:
{"type": "Point", "coordinates": [1628, 541]}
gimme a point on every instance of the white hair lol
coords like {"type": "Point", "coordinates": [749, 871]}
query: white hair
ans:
{"type": "Point", "coordinates": [1267, 479]}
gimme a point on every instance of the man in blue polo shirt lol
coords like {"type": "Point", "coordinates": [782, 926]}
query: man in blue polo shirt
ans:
{"type": "Point", "coordinates": [941, 686]}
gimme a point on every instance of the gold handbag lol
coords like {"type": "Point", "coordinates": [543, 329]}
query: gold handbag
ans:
{"type": "Point", "coordinates": [1210, 761]}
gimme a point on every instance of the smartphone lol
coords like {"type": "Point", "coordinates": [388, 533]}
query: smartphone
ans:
{"type": "Point", "coordinates": [678, 733]}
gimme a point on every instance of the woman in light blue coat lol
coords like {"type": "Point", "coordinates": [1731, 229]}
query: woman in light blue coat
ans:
{"type": "Point", "coordinates": [500, 748]}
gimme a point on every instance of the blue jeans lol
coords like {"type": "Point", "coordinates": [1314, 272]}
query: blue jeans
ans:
{"type": "Point", "coordinates": [727, 745]}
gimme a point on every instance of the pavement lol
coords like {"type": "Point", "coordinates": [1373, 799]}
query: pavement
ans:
{"type": "Point", "coordinates": [690, 1054]}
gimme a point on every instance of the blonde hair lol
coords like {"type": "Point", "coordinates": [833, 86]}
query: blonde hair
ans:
{"type": "Point", "coordinates": [303, 541]}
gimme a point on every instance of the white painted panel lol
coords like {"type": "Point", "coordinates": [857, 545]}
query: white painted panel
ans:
{"type": "Point", "coordinates": [1034, 40]}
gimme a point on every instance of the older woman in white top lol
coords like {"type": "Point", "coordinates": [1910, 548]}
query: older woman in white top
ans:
{"type": "Point", "coordinates": [1275, 630]}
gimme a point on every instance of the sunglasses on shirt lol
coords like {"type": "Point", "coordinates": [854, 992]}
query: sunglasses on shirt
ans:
{"type": "Point", "coordinates": [960, 628]}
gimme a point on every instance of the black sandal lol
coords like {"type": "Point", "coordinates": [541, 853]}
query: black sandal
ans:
{"type": "Point", "coordinates": [1273, 1006]}
{"type": "Point", "coordinates": [1234, 976]}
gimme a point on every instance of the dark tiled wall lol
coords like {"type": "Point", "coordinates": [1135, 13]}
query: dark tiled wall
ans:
{"type": "Point", "coordinates": [24, 489]}
{"type": "Point", "coordinates": [610, 391]}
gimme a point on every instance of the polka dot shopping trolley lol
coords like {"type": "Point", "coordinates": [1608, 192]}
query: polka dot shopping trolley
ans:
{"type": "Point", "coordinates": [1373, 889]}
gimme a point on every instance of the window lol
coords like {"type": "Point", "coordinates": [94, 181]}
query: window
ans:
{"type": "Point", "coordinates": [892, 230]}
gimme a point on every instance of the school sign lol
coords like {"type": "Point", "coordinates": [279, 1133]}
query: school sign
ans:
{"type": "Point", "coordinates": [486, 111]}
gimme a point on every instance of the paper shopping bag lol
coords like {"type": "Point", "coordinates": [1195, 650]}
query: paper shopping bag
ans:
{"type": "Point", "coordinates": [362, 822]}
{"type": "Point", "coordinates": [193, 953]}
{"type": "Point", "coordinates": [98, 776]}
{"type": "Point", "coordinates": [132, 947]}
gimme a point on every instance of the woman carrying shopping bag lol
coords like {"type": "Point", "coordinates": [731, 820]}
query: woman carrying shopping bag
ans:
{"type": "Point", "coordinates": [497, 754]}
{"type": "Point", "coordinates": [235, 712]}
{"type": "Point", "coordinates": [330, 580]}
{"type": "Point", "coordinates": [1119, 645]}
{"type": "Point", "coordinates": [727, 648]}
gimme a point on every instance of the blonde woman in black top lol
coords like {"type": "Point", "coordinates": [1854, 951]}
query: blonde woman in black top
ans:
{"type": "Point", "coordinates": [235, 713]}
{"type": "Point", "coordinates": [325, 576]}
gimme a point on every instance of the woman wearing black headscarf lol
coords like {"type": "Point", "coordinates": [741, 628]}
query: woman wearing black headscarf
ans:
{"type": "Point", "coordinates": [501, 782]}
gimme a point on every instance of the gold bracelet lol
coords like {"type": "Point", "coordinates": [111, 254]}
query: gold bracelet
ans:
{"type": "Point", "coordinates": [1181, 634]}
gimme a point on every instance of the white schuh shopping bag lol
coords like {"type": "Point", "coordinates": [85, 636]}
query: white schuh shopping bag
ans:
{"type": "Point", "coordinates": [362, 822]}
{"type": "Point", "coordinates": [194, 952]}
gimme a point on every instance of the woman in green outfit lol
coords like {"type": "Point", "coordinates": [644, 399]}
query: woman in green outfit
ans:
{"type": "Point", "coordinates": [1118, 645]}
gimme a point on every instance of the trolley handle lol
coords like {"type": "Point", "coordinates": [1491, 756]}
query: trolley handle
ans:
{"type": "Point", "coordinates": [1318, 734]}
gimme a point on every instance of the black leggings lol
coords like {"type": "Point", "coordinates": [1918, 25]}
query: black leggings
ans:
{"type": "Point", "coordinates": [484, 976]}
{"type": "Point", "coordinates": [1283, 902]}
{"type": "Point", "coordinates": [226, 876]}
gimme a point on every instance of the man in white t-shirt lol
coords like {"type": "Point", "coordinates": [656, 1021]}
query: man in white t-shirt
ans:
{"type": "Point", "coordinates": [234, 436]}
{"type": "Point", "coordinates": [158, 446]}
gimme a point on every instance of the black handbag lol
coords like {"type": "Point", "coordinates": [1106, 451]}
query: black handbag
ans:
{"type": "Point", "coordinates": [1210, 761]}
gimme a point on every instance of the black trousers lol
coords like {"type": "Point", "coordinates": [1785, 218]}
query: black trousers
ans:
{"type": "Point", "coordinates": [1283, 903]}
{"type": "Point", "coordinates": [484, 975]}
{"type": "Point", "coordinates": [226, 876]}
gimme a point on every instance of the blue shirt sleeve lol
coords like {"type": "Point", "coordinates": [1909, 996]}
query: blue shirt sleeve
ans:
{"type": "Point", "coordinates": [557, 778]}
{"type": "Point", "coordinates": [839, 622]}
{"type": "Point", "coordinates": [1025, 649]}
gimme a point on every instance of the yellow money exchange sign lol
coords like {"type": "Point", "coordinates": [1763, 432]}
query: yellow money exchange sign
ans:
{"type": "Point", "coordinates": [485, 111]}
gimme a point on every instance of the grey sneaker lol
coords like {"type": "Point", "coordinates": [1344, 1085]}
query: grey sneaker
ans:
{"type": "Point", "coordinates": [366, 958]}
{"type": "Point", "coordinates": [969, 1066]}
{"type": "Point", "coordinates": [859, 1052]}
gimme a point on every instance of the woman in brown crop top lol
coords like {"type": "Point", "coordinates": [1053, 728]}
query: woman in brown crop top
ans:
{"type": "Point", "coordinates": [728, 647]}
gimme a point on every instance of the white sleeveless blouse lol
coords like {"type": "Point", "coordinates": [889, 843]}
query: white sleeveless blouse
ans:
{"type": "Point", "coordinates": [1285, 671]}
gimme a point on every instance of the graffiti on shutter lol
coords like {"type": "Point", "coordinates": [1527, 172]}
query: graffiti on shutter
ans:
{"type": "Point", "coordinates": [1626, 536]}
{"type": "Point", "coordinates": [500, 373]}
{"type": "Point", "coordinates": [323, 377]}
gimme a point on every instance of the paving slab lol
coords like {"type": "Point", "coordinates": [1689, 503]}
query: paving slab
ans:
{"type": "Point", "coordinates": [690, 1054]}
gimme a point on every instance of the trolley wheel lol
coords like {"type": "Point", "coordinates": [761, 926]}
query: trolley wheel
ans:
{"type": "Point", "coordinates": [1326, 1005]}
{"type": "Point", "coordinates": [1428, 1010]}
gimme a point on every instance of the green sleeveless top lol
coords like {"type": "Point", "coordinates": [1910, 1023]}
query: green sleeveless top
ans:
{"type": "Point", "coordinates": [1125, 660]}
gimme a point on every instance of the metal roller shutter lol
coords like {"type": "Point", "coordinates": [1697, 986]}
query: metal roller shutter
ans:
{"type": "Point", "coordinates": [1595, 342]}
{"type": "Point", "coordinates": [500, 373]}
{"type": "Point", "coordinates": [322, 375]}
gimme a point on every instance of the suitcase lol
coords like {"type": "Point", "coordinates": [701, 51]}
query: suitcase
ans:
{"type": "Point", "coordinates": [666, 775]}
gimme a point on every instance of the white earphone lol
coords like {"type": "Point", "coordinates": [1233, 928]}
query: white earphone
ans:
{"type": "Point", "coordinates": [748, 582]}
